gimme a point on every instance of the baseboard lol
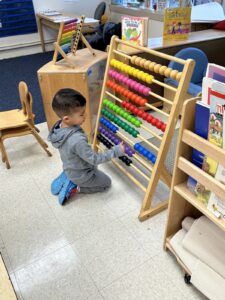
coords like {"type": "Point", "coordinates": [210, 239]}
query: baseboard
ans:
{"type": "Point", "coordinates": [24, 49]}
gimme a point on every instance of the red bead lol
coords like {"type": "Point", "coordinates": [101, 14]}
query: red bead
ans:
{"type": "Point", "coordinates": [163, 127]}
{"type": "Point", "coordinates": [124, 104]}
{"type": "Point", "coordinates": [141, 113]}
{"type": "Point", "coordinates": [158, 124]}
{"type": "Point", "coordinates": [149, 119]}
{"type": "Point", "coordinates": [113, 85]}
{"type": "Point", "coordinates": [145, 116]}
{"type": "Point", "coordinates": [138, 99]}
{"type": "Point", "coordinates": [129, 106]}
{"type": "Point", "coordinates": [153, 122]}
{"type": "Point", "coordinates": [135, 110]}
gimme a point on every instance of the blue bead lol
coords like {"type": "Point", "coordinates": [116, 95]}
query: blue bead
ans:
{"type": "Point", "coordinates": [154, 159]}
{"type": "Point", "coordinates": [136, 146]}
{"type": "Point", "coordinates": [149, 155]}
{"type": "Point", "coordinates": [145, 152]}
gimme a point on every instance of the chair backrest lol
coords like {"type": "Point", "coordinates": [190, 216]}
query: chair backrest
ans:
{"type": "Point", "coordinates": [26, 100]}
{"type": "Point", "coordinates": [100, 10]}
{"type": "Point", "coordinates": [201, 62]}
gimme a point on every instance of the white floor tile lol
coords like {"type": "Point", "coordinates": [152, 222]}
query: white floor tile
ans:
{"type": "Point", "coordinates": [109, 253]}
{"type": "Point", "coordinates": [28, 227]}
{"type": "Point", "coordinates": [55, 277]}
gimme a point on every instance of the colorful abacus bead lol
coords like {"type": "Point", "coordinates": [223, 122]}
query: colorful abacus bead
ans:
{"type": "Point", "coordinates": [146, 153]}
{"type": "Point", "coordinates": [109, 125]}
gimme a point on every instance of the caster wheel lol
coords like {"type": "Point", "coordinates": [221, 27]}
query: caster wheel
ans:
{"type": "Point", "coordinates": [187, 279]}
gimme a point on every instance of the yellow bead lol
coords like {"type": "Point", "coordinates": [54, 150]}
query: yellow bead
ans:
{"type": "Point", "coordinates": [139, 75]}
{"type": "Point", "coordinates": [151, 66]}
{"type": "Point", "coordinates": [135, 72]}
{"type": "Point", "coordinates": [149, 79]}
{"type": "Point", "coordinates": [112, 62]}
{"type": "Point", "coordinates": [144, 76]}
{"type": "Point", "coordinates": [126, 68]}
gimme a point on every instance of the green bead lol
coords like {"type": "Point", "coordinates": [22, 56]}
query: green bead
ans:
{"type": "Point", "coordinates": [117, 110]}
{"type": "Point", "coordinates": [129, 118]}
{"type": "Point", "coordinates": [137, 123]}
{"type": "Point", "coordinates": [110, 105]}
{"type": "Point", "coordinates": [105, 102]}
{"type": "Point", "coordinates": [114, 108]}
{"type": "Point", "coordinates": [126, 115]}
{"type": "Point", "coordinates": [126, 127]}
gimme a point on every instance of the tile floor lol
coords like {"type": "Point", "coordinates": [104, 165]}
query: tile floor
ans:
{"type": "Point", "coordinates": [92, 248]}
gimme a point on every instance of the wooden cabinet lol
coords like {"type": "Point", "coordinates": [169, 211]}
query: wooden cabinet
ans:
{"type": "Point", "coordinates": [86, 78]}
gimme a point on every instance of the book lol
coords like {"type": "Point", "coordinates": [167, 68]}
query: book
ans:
{"type": "Point", "coordinates": [216, 204]}
{"type": "Point", "coordinates": [216, 72]}
{"type": "Point", "coordinates": [177, 23]}
{"type": "Point", "coordinates": [211, 12]}
{"type": "Point", "coordinates": [215, 135]}
{"type": "Point", "coordinates": [135, 30]}
{"type": "Point", "coordinates": [201, 129]}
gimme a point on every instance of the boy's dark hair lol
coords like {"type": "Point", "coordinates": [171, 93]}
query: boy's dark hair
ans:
{"type": "Point", "coordinates": [66, 101]}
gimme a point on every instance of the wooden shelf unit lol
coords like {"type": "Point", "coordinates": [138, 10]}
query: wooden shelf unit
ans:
{"type": "Point", "coordinates": [182, 201]}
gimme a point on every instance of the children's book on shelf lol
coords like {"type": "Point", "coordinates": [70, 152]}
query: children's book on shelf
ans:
{"type": "Point", "coordinates": [135, 30]}
{"type": "Point", "coordinates": [177, 23]}
{"type": "Point", "coordinates": [215, 136]}
{"type": "Point", "coordinates": [216, 204]}
{"type": "Point", "coordinates": [162, 4]}
{"type": "Point", "coordinates": [216, 72]}
{"type": "Point", "coordinates": [201, 129]}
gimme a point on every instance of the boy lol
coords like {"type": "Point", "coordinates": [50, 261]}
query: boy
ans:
{"type": "Point", "coordinates": [79, 160]}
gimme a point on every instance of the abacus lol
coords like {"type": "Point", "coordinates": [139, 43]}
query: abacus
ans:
{"type": "Point", "coordinates": [68, 39]}
{"type": "Point", "coordinates": [121, 117]}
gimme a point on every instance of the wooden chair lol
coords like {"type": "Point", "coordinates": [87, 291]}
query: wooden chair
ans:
{"type": "Point", "coordinates": [19, 122]}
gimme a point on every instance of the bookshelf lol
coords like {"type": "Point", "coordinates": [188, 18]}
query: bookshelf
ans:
{"type": "Point", "coordinates": [182, 201]}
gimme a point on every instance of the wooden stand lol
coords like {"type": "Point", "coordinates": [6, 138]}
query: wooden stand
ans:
{"type": "Point", "coordinates": [75, 37]}
{"type": "Point", "coordinates": [6, 289]}
{"type": "Point", "coordinates": [86, 78]}
{"type": "Point", "coordinates": [157, 169]}
{"type": "Point", "coordinates": [182, 202]}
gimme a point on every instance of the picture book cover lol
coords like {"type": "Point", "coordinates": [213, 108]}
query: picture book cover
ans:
{"type": "Point", "coordinates": [215, 135]}
{"type": "Point", "coordinates": [216, 72]}
{"type": "Point", "coordinates": [177, 23]}
{"type": "Point", "coordinates": [201, 129]}
{"type": "Point", "coordinates": [216, 204]}
{"type": "Point", "coordinates": [135, 30]}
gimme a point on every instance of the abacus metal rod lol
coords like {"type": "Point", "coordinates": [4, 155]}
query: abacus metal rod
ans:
{"type": "Point", "coordinates": [155, 53]}
{"type": "Point", "coordinates": [156, 109]}
{"type": "Point", "coordinates": [164, 85]}
{"type": "Point", "coordinates": [160, 98]}
{"type": "Point", "coordinates": [142, 162]}
{"type": "Point", "coordinates": [139, 171]}
{"type": "Point", "coordinates": [126, 173]}
{"type": "Point", "coordinates": [147, 142]}
{"type": "Point", "coordinates": [152, 132]}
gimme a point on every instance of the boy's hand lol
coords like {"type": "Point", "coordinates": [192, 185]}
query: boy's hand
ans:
{"type": "Point", "coordinates": [122, 146]}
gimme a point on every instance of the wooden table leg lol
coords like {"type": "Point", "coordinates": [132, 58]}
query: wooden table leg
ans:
{"type": "Point", "coordinates": [40, 29]}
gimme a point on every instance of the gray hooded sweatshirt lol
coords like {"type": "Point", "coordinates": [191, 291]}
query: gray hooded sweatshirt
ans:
{"type": "Point", "coordinates": [79, 160]}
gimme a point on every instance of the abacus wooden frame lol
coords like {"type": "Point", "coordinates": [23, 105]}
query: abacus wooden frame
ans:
{"type": "Point", "coordinates": [76, 37]}
{"type": "Point", "coordinates": [159, 170]}
{"type": "Point", "coordinates": [182, 202]}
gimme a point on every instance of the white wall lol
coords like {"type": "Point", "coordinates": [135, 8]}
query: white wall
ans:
{"type": "Point", "coordinates": [30, 43]}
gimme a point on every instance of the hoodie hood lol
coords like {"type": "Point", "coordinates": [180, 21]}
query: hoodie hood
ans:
{"type": "Point", "coordinates": [58, 136]}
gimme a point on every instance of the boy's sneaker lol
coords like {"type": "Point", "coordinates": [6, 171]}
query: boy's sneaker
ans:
{"type": "Point", "coordinates": [58, 183]}
{"type": "Point", "coordinates": [68, 189]}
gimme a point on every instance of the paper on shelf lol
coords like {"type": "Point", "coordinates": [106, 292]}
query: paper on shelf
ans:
{"type": "Point", "coordinates": [209, 12]}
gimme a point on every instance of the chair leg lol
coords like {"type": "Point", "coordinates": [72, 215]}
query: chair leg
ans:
{"type": "Point", "coordinates": [41, 142]}
{"type": "Point", "coordinates": [4, 154]}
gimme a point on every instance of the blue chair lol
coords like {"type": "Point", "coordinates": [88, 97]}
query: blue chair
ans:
{"type": "Point", "coordinates": [201, 62]}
